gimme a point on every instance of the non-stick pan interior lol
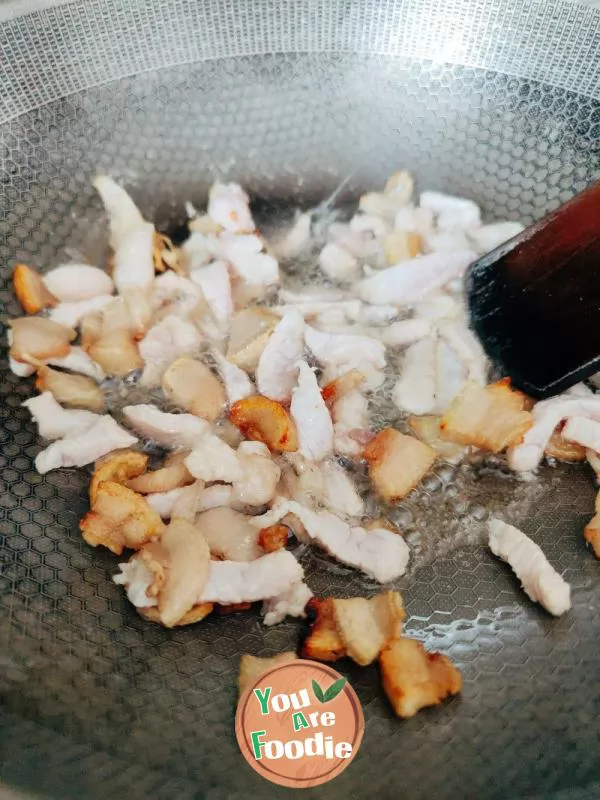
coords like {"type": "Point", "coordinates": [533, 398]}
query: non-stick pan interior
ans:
{"type": "Point", "coordinates": [96, 701]}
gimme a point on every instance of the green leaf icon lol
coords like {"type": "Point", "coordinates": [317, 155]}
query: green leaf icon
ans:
{"type": "Point", "coordinates": [318, 692]}
{"type": "Point", "coordinates": [335, 688]}
{"type": "Point", "coordinates": [330, 693]}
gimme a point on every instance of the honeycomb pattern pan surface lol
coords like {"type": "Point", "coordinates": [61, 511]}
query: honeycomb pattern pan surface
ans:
{"type": "Point", "coordinates": [495, 101]}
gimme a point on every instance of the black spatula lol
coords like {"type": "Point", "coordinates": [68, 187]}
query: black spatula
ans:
{"type": "Point", "coordinates": [534, 302]}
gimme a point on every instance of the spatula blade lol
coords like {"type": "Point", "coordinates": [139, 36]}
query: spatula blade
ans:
{"type": "Point", "coordinates": [534, 302]}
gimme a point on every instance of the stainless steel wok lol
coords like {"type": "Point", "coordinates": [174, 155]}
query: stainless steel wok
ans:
{"type": "Point", "coordinates": [494, 99]}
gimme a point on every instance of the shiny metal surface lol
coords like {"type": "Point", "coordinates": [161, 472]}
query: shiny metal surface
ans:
{"type": "Point", "coordinates": [496, 100]}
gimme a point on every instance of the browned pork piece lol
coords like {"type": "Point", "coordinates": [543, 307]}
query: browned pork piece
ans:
{"type": "Point", "coordinates": [366, 626]}
{"type": "Point", "coordinates": [267, 421]}
{"type": "Point", "coordinates": [356, 627]}
{"type": "Point", "coordinates": [196, 614]}
{"type": "Point", "coordinates": [489, 417]}
{"type": "Point", "coordinates": [164, 479]}
{"type": "Point", "coordinates": [118, 466]}
{"type": "Point", "coordinates": [413, 678]}
{"type": "Point", "coordinates": [558, 447]}
{"type": "Point", "coordinates": [252, 667]}
{"type": "Point", "coordinates": [323, 642]}
{"type": "Point", "coordinates": [39, 338]}
{"type": "Point", "coordinates": [190, 385]}
{"type": "Point", "coordinates": [249, 333]}
{"type": "Point", "coordinates": [273, 538]}
{"type": "Point", "coordinates": [427, 429]}
{"type": "Point", "coordinates": [31, 290]}
{"type": "Point", "coordinates": [120, 519]}
{"type": "Point", "coordinates": [397, 463]}
{"type": "Point", "coordinates": [74, 391]}
{"type": "Point", "coordinates": [339, 387]}
{"type": "Point", "coordinates": [180, 562]}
